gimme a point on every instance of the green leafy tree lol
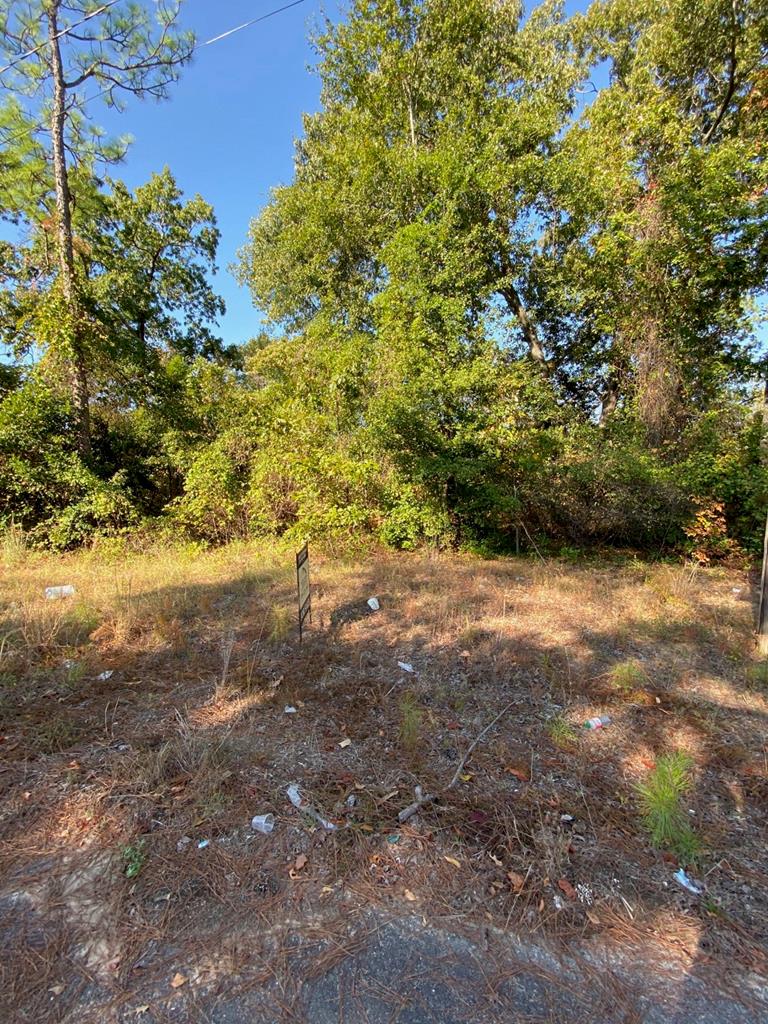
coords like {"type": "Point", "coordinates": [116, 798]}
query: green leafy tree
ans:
{"type": "Point", "coordinates": [51, 52]}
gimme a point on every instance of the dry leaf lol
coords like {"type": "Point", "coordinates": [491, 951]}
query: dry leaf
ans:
{"type": "Point", "coordinates": [409, 896]}
{"type": "Point", "coordinates": [56, 989]}
{"type": "Point", "coordinates": [141, 1009]}
{"type": "Point", "coordinates": [541, 906]}
{"type": "Point", "coordinates": [593, 917]}
{"type": "Point", "coordinates": [566, 888]}
{"type": "Point", "coordinates": [519, 773]}
{"type": "Point", "coordinates": [516, 880]}
{"type": "Point", "coordinates": [452, 860]}
{"type": "Point", "coordinates": [178, 980]}
{"type": "Point", "coordinates": [300, 861]}
{"type": "Point", "coordinates": [466, 776]}
{"type": "Point", "coordinates": [495, 860]}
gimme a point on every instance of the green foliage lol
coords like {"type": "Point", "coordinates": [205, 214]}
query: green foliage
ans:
{"type": "Point", "coordinates": [664, 813]}
{"type": "Point", "coordinates": [134, 858]}
{"type": "Point", "coordinates": [493, 309]}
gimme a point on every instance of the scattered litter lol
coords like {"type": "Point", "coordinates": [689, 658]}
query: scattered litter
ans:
{"type": "Point", "coordinates": [345, 743]}
{"type": "Point", "coordinates": [688, 883]}
{"type": "Point", "coordinates": [394, 838]}
{"type": "Point", "coordinates": [56, 990]}
{"type": "Point", "coordinates": [373, 604]}
{"type": "Point", "coordinates": [566, 818]}
{"type": "Point", "coordinates": [53, 593]}
{"type": "Point", "coordinates": [106, 674]}
{"type": "Point", "coordinates": [290, 709]}
{"type": "Point", "coordinates": [298, 801]}
{"type": "Point", "coordinates": [405, 666]}
{"type": "Point", "coordinates": [559, 905]}
{"type": "Point", "coordinates": [351, 801]}
{"type": "Point", "coordinates": [409, 896]}
{"type": "Point", "coordinates": [183, 843]}
{"type": "Point", "coordinates": [411, 809]}
{"type": "Point", "coordinates": [178, 980]}
{"type": "Point", "coordinates": [203, 843]}
{"type": "Point", "coordinates": [736, 590]}
{"type": "Point", "coordinates": [68, 663]}
{"type": "Point", "coordinates": [598, 722]}
{"type": "Point", "coordinates": [452, 860]}
{"type": "Point", "coordinates": [263, 823]}
{"type": "Point", "coordinates": [585, 894]}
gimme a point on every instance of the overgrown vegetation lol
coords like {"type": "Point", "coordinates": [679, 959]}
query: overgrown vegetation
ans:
{"type": "Point", "coordinates": [503, 305]}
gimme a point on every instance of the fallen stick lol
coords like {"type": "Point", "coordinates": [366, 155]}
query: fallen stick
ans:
{"type": "Point", "coordinates": [472, 745]}
{"type": "Point", "coordinates": [411, 809]}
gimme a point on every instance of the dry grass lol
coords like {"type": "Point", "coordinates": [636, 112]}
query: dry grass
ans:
{"type": "Point", "coordinates": [188, 739]}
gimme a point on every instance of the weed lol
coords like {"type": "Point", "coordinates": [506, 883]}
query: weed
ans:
{"type": "Point", "coordinates": [627, 676]}
{"type": "Point", "coordinates": [757, 675]}
{"type": "Point", "coordinates": [661, 802]}
{"type": "Point", "coordinates": [561, 732]}
{"type": "Point", "coordinates": [13, 545]}
{"type": "Point", "coordinates": [134, 858]}
{"type": "Point", "coordinates": [55, 735]}
{"type": "Point", "coordinates": [410, 722]}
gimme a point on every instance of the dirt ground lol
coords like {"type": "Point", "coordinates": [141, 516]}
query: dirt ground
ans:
{"type": "Point", "coordinates": [144, 722]}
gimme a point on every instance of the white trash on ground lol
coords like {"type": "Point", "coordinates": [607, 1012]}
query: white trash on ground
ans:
{"type": "Point", "coordinates": [373, 604]}
{"type": "Point", "coordinates": [405, 666]}
{"type": "Point", "coordinates": [263, 823]}
{"type": "Point", "coordinates": [53, 593]}
{"type": "Point", "coordinates": [305, 807]}
{"type": "Point", "coordinates": [290, 709]}
{"type": "Point", "coordinates": [106, 674]}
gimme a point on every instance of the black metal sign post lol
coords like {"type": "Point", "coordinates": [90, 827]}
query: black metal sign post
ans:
{"type": "Point", "coordinates": [302, 583]}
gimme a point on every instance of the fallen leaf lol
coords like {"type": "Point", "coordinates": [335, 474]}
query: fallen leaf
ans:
{"type": "Point", "coordinates": [452, 860]}
{"type": "Point", "coordinates": [409, 896]}
{"type": "Point", "coordinates": [566, 888]}
{"type": "Point", "coordinates": [141, 1009]}
{"type": "Point", "coordinates": [56, 989]}
{"type": "Point", "coordinates": [541, 906]}
{"type": "Point", "coordinates": [593, 917]}
{"type": "Point", "coordinates": [178, 980]}
{"type": "Point", "coordinates": [478, 817]}
{"type": "Point", "coordinates": [519, 773]}
{"type": "Point", "coordinates": [466, 777]}
{"type": "Point", "coordinates": [300, 861]}
{"type": "Point", "coordinates": [516, 880]}
{"type": "Point", "coordinates": [495, 860]}
{"type": "Point", "coordinates": [366, 828]}
{"type": "Point", "coordinates": [453, 725]}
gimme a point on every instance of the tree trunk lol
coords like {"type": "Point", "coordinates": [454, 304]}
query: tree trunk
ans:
{"type": "Point", "coordinates": [79, 372]}
{"type": "Point", "coordinates": [515, 304]}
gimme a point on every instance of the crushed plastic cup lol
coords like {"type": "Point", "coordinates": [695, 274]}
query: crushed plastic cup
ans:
{"type": "Point", "coordinates": [405, 666]}
{"type": "Point", "coordinates": [598, 722]}
{"type": "Point", "coordinates": [263, 823]}
{"type": "Point", "coordinates": [55, 593]}
{"type": "Point", "coordinates": [290, 709]}
{"type": "Point", "coordinates": [373, 604]}
{"type": "Point", "coordinates": [106, 674]}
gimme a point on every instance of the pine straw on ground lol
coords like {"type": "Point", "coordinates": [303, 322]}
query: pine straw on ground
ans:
{"type": "Point", "coordinates": [188, 739]}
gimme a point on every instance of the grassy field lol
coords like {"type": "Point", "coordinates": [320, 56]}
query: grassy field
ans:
{"type": "Point", "coordinates": [143, 724]}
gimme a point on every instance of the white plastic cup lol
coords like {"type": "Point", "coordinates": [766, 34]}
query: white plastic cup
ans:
{"type": "Point", "coordinates": [263, 823]}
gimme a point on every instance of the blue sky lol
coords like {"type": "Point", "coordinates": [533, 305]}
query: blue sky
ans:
{"type": "Point", "coordinates": [228, 129]}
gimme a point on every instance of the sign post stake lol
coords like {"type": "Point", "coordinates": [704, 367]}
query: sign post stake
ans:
{"type": "Point", "coordinates": [302, 585]}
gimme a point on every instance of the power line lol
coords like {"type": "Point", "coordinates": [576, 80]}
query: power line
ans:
{"type": "Point", "coordinates": [64, 32]}
{"type": "Point", "coordinates": [100, 10]}
{"type": "Point", "coordinates": [247, 24]}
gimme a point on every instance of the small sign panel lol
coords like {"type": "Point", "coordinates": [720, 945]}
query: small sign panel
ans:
{"type": "Point", "coordinates": [302, 582]}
